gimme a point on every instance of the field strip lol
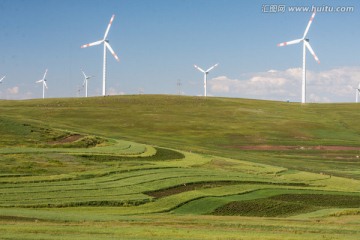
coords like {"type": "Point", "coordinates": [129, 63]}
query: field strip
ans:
{"type": "Point", "coordinates": [329, 212]}
{"type": "Point", "coordinates": [214, 202]}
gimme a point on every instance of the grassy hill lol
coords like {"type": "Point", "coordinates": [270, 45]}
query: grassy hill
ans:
{"type": "Point", "coordinates": [218, 126]}
{"type": "Point", "coordinates": [210, 122]}
{"type": "Point", "coordinates": [173, 167]}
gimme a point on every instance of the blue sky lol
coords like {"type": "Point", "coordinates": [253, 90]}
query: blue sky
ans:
{"type": "Point", "coordinates": [159, 41]}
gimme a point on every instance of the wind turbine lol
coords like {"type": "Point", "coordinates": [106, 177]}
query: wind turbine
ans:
{"type": "Point", "coordinates": [2, 79]}
{"type": "Point", "coordinates": [43, 80]}
{"type": "Point", "coordinates": [357, 93]}
{"type": "Point", "coordinates": [306, 44]}
{"type": "Point", "coordinates": [205, 75]}
{"type": "Point", "coordinates": [86, 78]}
{"type": "Point", "coordinates": [106, 46]}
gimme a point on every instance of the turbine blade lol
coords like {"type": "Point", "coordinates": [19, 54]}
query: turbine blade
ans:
{"type": "Point", "coordinates": [92, 44]}
{"type": "Point", "coordinates": [211, 68]}
{"type": "Point", "coordinates": [39, 81]}
{"type": "Point", "coordinates": [307, 44]}
{"type": "Point", "coordinates": [2, 79]}
{"type": "Point", "coordinates": [45, 74]}
{"type": "Point", "coordinates": [45, 84]}
{"type": "Point", "coordinates": [108, 27]}
{"type": "Point", "coordinates": [112, 51]}
{"type": "Point", "coordinates": [289, 42]}
{"type": "Point", "coordinates": [84, 74]}
{"type": "Point", "coordinates": [200, 69]}
{"type": "Point", "coordinates": [84, 82]}
{"type": "Point", "coordinates": [308, 26]}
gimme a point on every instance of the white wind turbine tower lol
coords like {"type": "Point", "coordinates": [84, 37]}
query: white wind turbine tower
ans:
{"type": "Point", "coordinates": [205, 75]}
{"type": "Point", "coordinates": [357, 93]}
{"type": "Point", "coordinates": [106, 46]}
{"type": "Point", "coordinates": [306, 44]}
{"type": "Point", "coordinates": [2, 79]}
{"type": "Point", "coordinates": [86, 78]}
{"type": "Point", "coordinates": [43, 80]}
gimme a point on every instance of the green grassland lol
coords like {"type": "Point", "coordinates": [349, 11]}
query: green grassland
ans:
{"type": "Point", "coordinates": [176, 167]}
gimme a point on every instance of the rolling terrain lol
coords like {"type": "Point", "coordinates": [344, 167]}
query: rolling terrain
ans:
{"type": "Point", "coordinates": [175, 167]}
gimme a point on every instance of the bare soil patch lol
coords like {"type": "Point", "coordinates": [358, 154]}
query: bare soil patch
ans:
{"type": "Point", "coordinates": [68, 139]}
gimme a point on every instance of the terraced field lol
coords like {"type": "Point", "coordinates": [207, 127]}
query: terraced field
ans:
{"type": "Point", "coordinates": [58, 183]}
